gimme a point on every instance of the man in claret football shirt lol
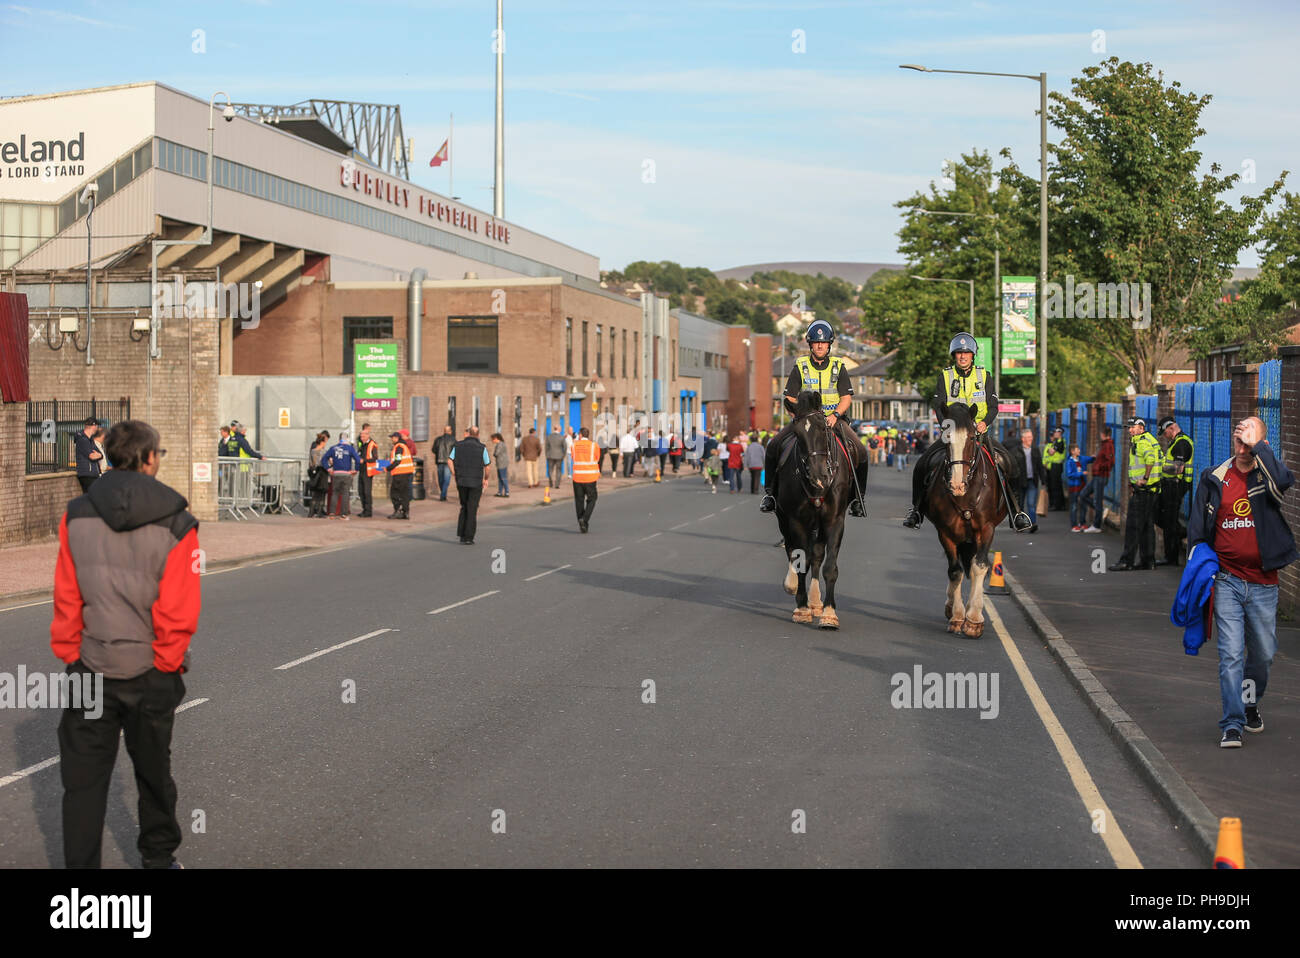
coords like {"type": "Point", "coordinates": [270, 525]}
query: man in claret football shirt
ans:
{"type": "Point", "coordinates": [1238, 514]}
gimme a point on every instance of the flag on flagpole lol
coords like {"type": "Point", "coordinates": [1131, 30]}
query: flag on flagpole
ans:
{"type": "Point", "coordinates": [440, 157]}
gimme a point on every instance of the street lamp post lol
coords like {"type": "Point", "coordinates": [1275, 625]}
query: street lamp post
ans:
{"type": "Point", "coordinates": [968, 282]}
{"type": "Point", "coordinates": [1042, 223]}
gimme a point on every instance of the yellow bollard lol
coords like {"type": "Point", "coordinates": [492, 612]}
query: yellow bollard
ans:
{"type": "Point", "coordinates": [546, 494]}
{"type": "Point", "coordinates": [1228, 852]}
{"type": "Point", "coordinates": [658, 476]}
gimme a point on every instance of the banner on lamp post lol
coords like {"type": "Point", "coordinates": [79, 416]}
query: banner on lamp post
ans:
{"type": "Point", "coordinates": [1019, 326]}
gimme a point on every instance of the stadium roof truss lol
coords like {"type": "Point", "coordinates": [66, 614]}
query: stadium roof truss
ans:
{"type": "Point", "coordinates": [372, 130]}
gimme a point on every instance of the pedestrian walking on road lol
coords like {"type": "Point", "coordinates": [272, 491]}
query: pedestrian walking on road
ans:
{"type": "Point", "coordinates": [501, 462]}
{"type": "Point", "coordinates": [469, 462]}
{"type": "Point", "coordinates": [1238, 515]}
{"type": "Point", "coordinates": [754, 454]}
{"type": "Point", "coordinates": [735, 463]}
{"type": "Point", "coordinates": [586, 470]}
{"type": "Point", "coordinates": [554, 457]}
{"type": "Point", "coordinates": [442, 447]}
{"type": "Point", "coordinates": [531, 449]}
{"type": "Point", "coordinates": [368, 452]}
{"type": "Point", "coordinates": [627, 446]}
{"type": "Point", "coordinates": [1144, 495]}
{"type": "Point", "coordinates": [401, 471]}
{"type": "Point", "coordinates": [342, 463]}
{"type": "Point", "coordinates": [1035, 475]}
{"type": "Point", "coordinates": [90, 461]}
{"type": "Point", "coordinates": [126, 605]}
{"type": "Point", "coordinates": [713, 468]}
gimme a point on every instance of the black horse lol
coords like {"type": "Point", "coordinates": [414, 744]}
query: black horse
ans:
{"type": "Point", "coordinates": [816, 484]}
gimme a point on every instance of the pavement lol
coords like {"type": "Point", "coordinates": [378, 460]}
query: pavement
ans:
{"type": "Point", "coordinates": [27, 572]}
{"type": "Point", "coordinates": [635, 696]}
{"type": "Point", "coordinates": [1112, 633]}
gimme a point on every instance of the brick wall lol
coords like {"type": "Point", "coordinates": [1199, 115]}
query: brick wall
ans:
{"type": "Point", "coordinates": [30, 507]}
{"type": "Point", "coordinates": [177, 393]}
{"type": "Point", "coordinates": [737, 380]}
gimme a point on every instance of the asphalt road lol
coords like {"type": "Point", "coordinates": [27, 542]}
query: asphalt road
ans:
{"type": "Point", "coordinates": [502, 717]}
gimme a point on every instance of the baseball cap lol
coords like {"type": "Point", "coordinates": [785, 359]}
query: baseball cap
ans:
{"type": "Point", "coordinates": [394, 433]}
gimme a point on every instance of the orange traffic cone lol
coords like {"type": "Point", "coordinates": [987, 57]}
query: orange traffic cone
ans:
{"type": "Point", "coordinates": [1228, 853]}
{"type": "Point", "coordinates": [996, 579]}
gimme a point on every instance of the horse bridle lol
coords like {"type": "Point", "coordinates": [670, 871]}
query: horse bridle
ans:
{"type": "Point", "coordinates": [830, 453]}
{"type": "Point", "coordinates": [976, 445]}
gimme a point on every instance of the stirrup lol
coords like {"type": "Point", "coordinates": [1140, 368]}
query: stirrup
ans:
{"type": "Point", "coordinates": [856, 508]}
{"type": "Point", "coordinates": [768, 504]}
{"type": "Point", "coordinates": [1021, 521]}
{"type": "Point", "coordinates": [913, 519]}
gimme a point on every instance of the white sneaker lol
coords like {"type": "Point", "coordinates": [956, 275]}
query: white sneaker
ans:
{"type": "Point", "coordinates": [715, 490]}
{"type": "Point", "coordinates": [1092, 529]}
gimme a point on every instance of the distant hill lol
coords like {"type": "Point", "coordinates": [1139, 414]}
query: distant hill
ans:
{"type": "Point", "coordinates": [855, 273]}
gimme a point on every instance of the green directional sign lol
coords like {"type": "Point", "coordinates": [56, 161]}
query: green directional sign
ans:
{"type": "Point", "coordinates": [374, 373]}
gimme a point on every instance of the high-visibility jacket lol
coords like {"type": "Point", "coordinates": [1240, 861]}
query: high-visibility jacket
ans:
{"type": "Point", "coordinates": [1181, 448]}
{"type": "Point", "coordinates": [1144, 451]}
{"type": "Point", "coordinates": [369, 450]}
{"type": "Point", "coordinates": [969, 389]}
{"type": "Point", "coordinates": [825, 381]}
{"type": "Point", "coordinates": [586, 461]}
{"type": "Point", "coordinates": [403, 463]}
{"type": "Point", "coordinates": [1053, 454]}
{"type": "Point", "coordinates": [232, 446]}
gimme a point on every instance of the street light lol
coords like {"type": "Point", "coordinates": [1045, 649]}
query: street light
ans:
{"type": "Point", "coordinates": [88, 199]}
{"type": "Point", "coordinates": [1042, 223]}
{"type": "Point", "coordinates": [997, 290]}
{"type": "Point", "coordinates": [968, 282]}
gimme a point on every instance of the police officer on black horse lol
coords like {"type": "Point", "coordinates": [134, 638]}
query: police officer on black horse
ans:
{"type": "Point", "coordinates": [964, 382]}
{"type": "Point", "coordinates": [819, 372]}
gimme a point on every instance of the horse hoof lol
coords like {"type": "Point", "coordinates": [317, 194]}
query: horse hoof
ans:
{"type": "Point", "coordinates": [972, 629]}
{"type": "Point", "coordinates": [802, 615]}
{"type": "Point", "coordinates": [828, 620]}
{"type": "Point", "coordinates": [955, 625]}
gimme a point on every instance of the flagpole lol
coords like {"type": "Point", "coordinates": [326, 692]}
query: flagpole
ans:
{"type": "Point", "coordinates": [451, 176]}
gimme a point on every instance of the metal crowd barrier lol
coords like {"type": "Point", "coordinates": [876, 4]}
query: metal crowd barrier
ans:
{"type": "Point", "coordinates": [254, 487]}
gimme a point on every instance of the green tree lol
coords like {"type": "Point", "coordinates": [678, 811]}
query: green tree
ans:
{"type": "Point", "coordinates": [1129, 207]}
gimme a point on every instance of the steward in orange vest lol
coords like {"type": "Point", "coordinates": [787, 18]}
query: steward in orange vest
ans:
{"type": "Point", "coordinates": [369, 450]}
{"type": "Point", "coordinates": [401, 470]}
{"type": "Point", "coordinates": [586, 470]}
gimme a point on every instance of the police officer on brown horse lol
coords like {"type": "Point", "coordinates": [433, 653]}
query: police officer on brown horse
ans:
{"type": "Point", "coordinates": [819, 372]}
{"type": "Point", "coordinates": [964, 382]}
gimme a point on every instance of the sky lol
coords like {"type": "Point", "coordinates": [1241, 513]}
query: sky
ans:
{"type": "Point", "coordinates": [713, 133]}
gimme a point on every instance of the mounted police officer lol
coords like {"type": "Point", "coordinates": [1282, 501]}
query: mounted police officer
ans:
{"type": "Point", "coordinates": [963, 382]}
{"type": "Point", "coordinates": [818, 372]}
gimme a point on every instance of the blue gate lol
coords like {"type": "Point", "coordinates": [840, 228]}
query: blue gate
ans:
{"type": "Point", "coordinates": [1269, 398]}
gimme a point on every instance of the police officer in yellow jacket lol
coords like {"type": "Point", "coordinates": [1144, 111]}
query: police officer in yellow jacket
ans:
{"type": "Point", "coordinates": [818, 372]}
{"type": "Point", "coordinates": [1175, 483]}
{"type": "Point", "coordinates": [1144, 459]}
{"type": "Point", "coordinates": [966, 383]}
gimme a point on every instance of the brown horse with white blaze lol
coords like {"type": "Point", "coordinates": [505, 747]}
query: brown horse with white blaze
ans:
{"type": "Point", "coordinates": [965, 503]}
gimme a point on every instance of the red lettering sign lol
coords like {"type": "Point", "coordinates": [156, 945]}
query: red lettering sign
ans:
{"type": "Point", "coordinates": [389, 191]}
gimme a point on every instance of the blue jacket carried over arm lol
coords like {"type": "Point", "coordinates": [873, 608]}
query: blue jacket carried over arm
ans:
{"type": "Point", "coordinates": [1194, 604]}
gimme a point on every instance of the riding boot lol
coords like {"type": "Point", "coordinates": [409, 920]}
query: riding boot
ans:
{"type": "Point", "coordinates": [855, 508]}
{"type": "Point", "coordinates": [769, 501]}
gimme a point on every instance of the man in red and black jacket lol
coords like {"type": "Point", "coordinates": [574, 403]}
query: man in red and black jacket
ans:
{"type": "Point", "coordinates": [126, 604]}
{"type": "Point", "coordinates": [1094, 493]}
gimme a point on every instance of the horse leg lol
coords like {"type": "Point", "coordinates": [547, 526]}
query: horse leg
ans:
{"type": "Point", "coordinates": [979, 567]}
{"type": "Point", "coordinates": [955, 609]}
{"type": "Point", "coordinates": [814, 574]}
{"type": "Point", "coordinates": [802, 613]}
{"type": "Point", "coordinates": [831, 572]}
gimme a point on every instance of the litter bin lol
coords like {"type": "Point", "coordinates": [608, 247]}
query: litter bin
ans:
{"type": "Point", "coordinates": [417, 480]}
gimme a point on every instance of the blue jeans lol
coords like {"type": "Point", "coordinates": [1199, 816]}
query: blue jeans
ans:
{"type": "Point", "coordinates": [1031, 502]}
{"type": "Point", "coordinates": [444, 479]}
{"type": "Point", "coordinates": [1245, 613]}
{"type": "Point", "coordinates": [503, 481]}
{"type": "Point", "coordinates": [1093, 495]}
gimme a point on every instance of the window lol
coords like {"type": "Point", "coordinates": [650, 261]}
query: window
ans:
{"type": "Point", "coordinates": [674, 354]}
{"type": "Point", "coordinates": [599, 332]}
{"type": "Point", "coordinates": [636, 355]}
{"type": "Point", "coordinates": [363, 327]}
{"type": "Point", "coordinates": [568, 347]}
{"type": "Point", "coordinates": [613, 350]}
{"type": "Point", "coordinates": [472, 345]}
{"type": "Point", "coordinates": [584, 348]}
{"type": "Point", "coordinates": [625, 355]}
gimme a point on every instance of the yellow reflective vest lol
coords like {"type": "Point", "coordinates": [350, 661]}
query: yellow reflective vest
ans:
{"type": "Point", "coordinates": [825, 381]}
{"type": "Point", "coordinates": [1144, 451]}
{"type": "Point", "coordinates": [967, 389]}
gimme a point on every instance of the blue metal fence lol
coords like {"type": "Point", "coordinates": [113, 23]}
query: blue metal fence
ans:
{"type": "Point", "coordinates": [1119, 433]}
{"type": "Point", "coordinates": [1269, 399]}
